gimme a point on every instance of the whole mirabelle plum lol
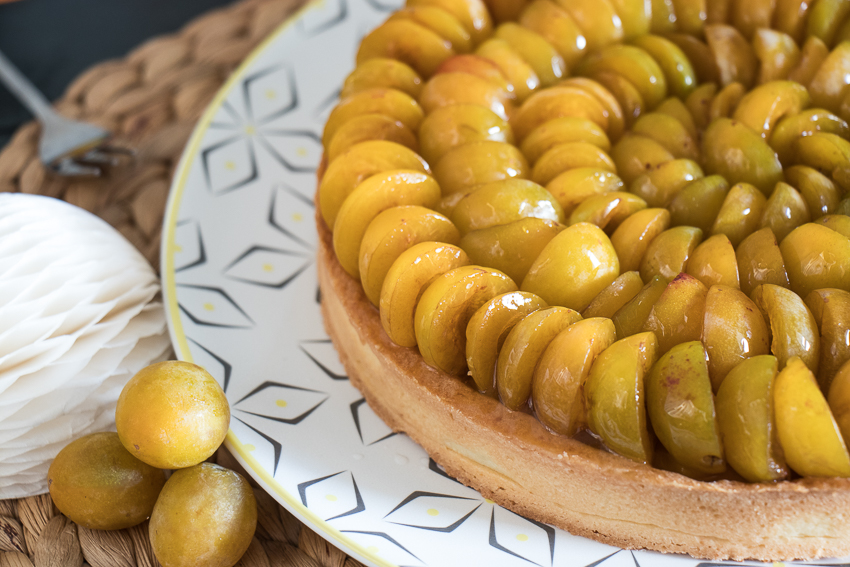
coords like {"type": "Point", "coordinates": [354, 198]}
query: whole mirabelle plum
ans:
{"type": "Point", "coordinates": [206, 515]}
{"type": "Point", "coordinates": [98, 484]}
{"type": "Point", "coordinates": [172, 415]}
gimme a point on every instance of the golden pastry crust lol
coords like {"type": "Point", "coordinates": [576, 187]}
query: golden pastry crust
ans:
{"type": "Point", "coordinates": [511, 458]}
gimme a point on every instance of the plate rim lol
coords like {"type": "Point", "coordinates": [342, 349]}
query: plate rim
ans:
{"type": "Point", "coordinates": [169, 293]}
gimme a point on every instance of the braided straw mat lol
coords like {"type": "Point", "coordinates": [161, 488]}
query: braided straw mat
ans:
{"type": "Point", "coordinates": [151, 100]}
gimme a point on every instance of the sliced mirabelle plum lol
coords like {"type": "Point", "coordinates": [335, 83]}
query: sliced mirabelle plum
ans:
{"type": "Point", "coordinates": [816, 257]}
{"type": "Point", "coordinates": [487, 330]}
{"type": "Point", "coordinates": [597, 19]}
{"type": "Point", "coordinates": [840, 223]}
{"type": "Point", "coordinates": [831, 310]}
{"type": "Point", "coordinates": [478, 66]}
{"type": "Point", "coordinates": [763, 107]}
{"type": "Point", "coordinates": [518, 73]}
{"type": "Point", "coordinates": [561, 131]}
{"type": "Point", "coordinates": [635, 15]}
{"type": "Point", "coordinates": [678, 72]}
{"type": "Point", "coordinates": [358, 163]}
{"type": "Point", "coordinates": [777, 53]}
{"type": "Point", "coordinates": [439, 21]}
{"type": "Point", "coordinates": [700, 56]}
{"type": "Point", "coordinates": [370, 127]}
{"type": "Point", "coordinates": [615, 396]}
{"type": "Point", "coordinates": [557, 28]}
{"type": "Point", "coordinates": [790, 17]}
{"type": "Point", "coordinates": [559, 379]}
{"type": "Point", "coordinates": [523, 348]}
{"type": "Point", "coordinates": [502, 202]}
{"type": "Point", "coordinates": [392, 232]}
{"type": "Point", "coordinates": [839, 400]}
{"type": "Point", "coordinates": [634, 235]}
{"type": "Point", "coordinates": [807, 431]}
{"type": "Point", "coordinates": [669, 132]}
{"type": "Point", "coordinates": [823, 151]}
{"type": "Point", "coordinates": [608, 210]}
{"type": "Point", "coordinates": [745, 414]}
{"type": "Point", "coordinates": [376, 194]}
{"type": "Point", "coordinates": [464, 167]}
{"type": "Point", "coordinates": [833, 75]}
{"type": "Point", "coordinates": [733, 330]}
{"type": "Point", "coordinates": [472, 14]}
{"type": "Point", "coordinates": [444, 311]}
{"type": "Point", "coordinates": [699, 202]}
{"type": "Point", "coordinates": [409, 42]}
{"type": "Point", "coordinates": [447, 89]}
{"type": "Point", "coordinates": [680, 405]}
{"type": "Point", "coordinates": [612, 298]}
{"type": "Point", "coordinates": [573, 186]}
{"type": "Point", "coordinates": [812, 55]}
{"type": "Point", "coordinates": [760, 261]}
{"type": "Point", "coordinates": [784, 211]}
{"type": "Point", "coordinates": [389, 102]}
{"type": "Point", "coordinates": [805, 123]}
{"type": "Point", "coordinates": [658, 186]}
{"type": "Point", "coordinates": [628, 97]}
{"type": "Point", "coordinates": [820, 193]}
{"type": "Point", "coordinates": [741, 213]}
{"type": "Point", "coordinates": [634, 64]}
{"type": "Point", "coordinates": [613, 110]}
{"type": "Point", "coordinates": [736, 60]}
{"type": "Point", "coordinates": [635, 155]}
{"type": "Point", "coordinates": [573, 267]}
{"type": "Point", "coordinates": [557, 102]}
{"type": "Point", "coordinates": [713, 262]}
{"type": "Point", "coordinates": [677, 109]}
{"type": "Point", "coordinates": [677, 316]}
{"type": "Point", "coordinates": [667, 255]}
{"type": "Point", "coordinates": [739, 154]}
{"type": "Point", "coordinates": [510, 248]}
{"type": "Point", "coordinates": [460, 124]}
{"type": "Point", "coordinates": [571, 155]}
{"type": "Point", "coordinates": [385, 73]}
{"type": "Point", "coordinates": [629, 319]}
{"type": "Point", "coordinates": [547, 63]}
{"type": "Point", "coordinates": [699, 103]}
{"type": "Point", "coordinates": [406, 280]}
{"type": "Point", "coordinates": [793, 330]}
{"type": "Point", "coordinates": [725, 102]}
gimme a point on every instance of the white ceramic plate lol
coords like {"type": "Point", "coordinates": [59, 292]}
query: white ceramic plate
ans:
{"type": "Point", "coordinates": [241, 294]}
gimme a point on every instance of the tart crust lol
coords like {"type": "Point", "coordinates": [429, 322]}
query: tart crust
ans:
{"type": "Point", "coordinates": [511, 458]}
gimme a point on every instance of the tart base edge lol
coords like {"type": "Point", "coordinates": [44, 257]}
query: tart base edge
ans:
{"type": "Point", "coordinates": [510, 458]}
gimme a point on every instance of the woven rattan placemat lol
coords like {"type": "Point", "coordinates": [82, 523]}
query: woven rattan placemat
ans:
{"type": "Point", "coordinates": [151, 99]}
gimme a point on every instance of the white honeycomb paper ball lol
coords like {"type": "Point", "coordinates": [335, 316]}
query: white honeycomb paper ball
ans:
{"type": "Point", "coordinates": [80, 314]}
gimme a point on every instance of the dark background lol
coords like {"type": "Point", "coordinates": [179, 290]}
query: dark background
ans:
{"type": "Point", "coordinates": [53, 41]}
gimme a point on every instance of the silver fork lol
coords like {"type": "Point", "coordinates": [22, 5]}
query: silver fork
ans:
{"type": "Point", "coordinates": [68, 147]}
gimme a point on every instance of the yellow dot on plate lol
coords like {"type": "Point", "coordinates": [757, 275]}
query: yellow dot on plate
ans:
{"type": "Point", "coordinates": [488, 501]}
{"type": "Point", "coordinates": [432, 512]}
{"type": "Point", "coordinates": [778, 564]}
{"type": "Point", "coordinates": [521, 537]}
{"type": "Point", "coordinates": [281, 403]}
{"type": "Point", "coordinates": [209, 306]}
{"type": "Point", "coordinates": [250, 447]}
{"type": "Point", "coordinates": [231, 165]}
{"type": "Point", "coordinates": [268, 268]}
{"type": "Point", "coordinates": [330, 497]}
{"type": "Point", "coordinates": [250, 130]}
{"type": "Point", "coordinates": [270, 94]}
{"type": "Point", "coordinates": [297, 217]}
{"type": "Point", "coordinates": [301, 152]}
{"type": "Point", "coordinates": [372, 549]}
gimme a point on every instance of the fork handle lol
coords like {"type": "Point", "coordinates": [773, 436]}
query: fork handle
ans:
{"type": "Point", "coordinates": [26, 92]}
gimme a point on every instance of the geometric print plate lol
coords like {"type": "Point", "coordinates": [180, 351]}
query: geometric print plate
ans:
{"type": "Point", "coordinates": [240, 287]}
